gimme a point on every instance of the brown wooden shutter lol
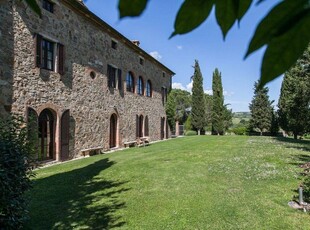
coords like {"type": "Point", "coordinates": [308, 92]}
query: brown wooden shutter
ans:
{"type": "Point", "coordinates": [61, 59]}
{"type": "Point", "coordinates": [120, 81]}
{"type": "Point", "coordinates": [65, 135]}
{"type": "Point", "coordinates": [38, 50]}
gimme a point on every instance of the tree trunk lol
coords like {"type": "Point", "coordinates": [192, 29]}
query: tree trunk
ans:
{"type": "Point", "coordinates": [198, 132]}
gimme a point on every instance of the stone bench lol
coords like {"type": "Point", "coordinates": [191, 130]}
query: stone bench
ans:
{"type": "Point", "coordinates": [91, 151]}
{"type": "Point", "coordinates": [128, 144]}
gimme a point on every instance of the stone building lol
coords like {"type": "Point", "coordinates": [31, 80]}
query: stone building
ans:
{"type": "Point", "coordinates": [77, 81]}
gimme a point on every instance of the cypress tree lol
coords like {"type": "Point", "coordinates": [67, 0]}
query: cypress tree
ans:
{"type": "Point", "coordinates": [218, 104]}
{"type": "Point", "coordinates": [294, 101]}
{"type": "Point", "coordinates": [198, 104]}
{"type": "Point", "coordinates": [261, 109]}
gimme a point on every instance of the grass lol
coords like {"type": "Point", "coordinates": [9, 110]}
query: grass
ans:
{"type": "Point", "coordinates": [206, 182]}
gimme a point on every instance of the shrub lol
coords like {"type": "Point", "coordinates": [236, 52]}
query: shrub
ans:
{"type": "Point", "coordinates": [190, 133]}
{"type": "Point", "coordinates": [306, 189]}
{"type": "Point", "coordinates": [15, 173]}
{"type": "Point", "coordinates": [241, 130]}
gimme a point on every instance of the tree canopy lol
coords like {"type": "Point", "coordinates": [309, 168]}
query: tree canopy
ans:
{"type": "Point", "coordinates": [198, 104]}
{"type": "Point", "coordinates": [294, 101]}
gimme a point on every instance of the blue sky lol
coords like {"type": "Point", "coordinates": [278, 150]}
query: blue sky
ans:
{"type": "Point", "coordinates": [205, 44]}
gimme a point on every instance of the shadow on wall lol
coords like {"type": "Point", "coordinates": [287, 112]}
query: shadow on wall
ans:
{"type": "Point", "coordinates": [77, 199]}
{"type": "Point", "coordinates": [6, 59]}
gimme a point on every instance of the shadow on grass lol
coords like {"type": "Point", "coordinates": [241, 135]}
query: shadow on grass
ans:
{"type": "Point", "coordinates": [303, 145]}
{"type": "Point", "coordinates": [77, 199]}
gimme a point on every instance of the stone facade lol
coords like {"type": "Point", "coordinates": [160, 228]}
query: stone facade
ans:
{"type": "Point", "coordinates": [81, 93]}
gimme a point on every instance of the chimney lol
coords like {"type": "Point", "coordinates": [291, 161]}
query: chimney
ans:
{"type": "Point", "coordinates": [136, 42]}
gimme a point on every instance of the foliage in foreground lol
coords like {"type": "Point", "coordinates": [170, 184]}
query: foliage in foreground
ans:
{"type": "Point", "coordinates": [15, 173]}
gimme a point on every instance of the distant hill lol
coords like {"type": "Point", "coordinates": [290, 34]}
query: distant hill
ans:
{"type": "Point", "coordinates": [239, 116]}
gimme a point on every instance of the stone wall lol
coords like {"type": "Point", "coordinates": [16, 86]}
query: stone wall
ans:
{"type": "Point", "coordinates": [90, 101]}
{"type": "Point", "coordinates": [6, 57]}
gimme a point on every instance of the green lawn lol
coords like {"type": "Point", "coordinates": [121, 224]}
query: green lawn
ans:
{"type": "Point", "coordinates": [206, 182]}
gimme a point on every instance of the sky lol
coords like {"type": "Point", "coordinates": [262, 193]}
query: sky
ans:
{"type": "Point", "coordinates": [205, 44]}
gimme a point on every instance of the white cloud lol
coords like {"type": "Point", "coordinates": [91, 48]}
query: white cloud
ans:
{"type": "Point", "coordinates": [177, 85]}
{"type": "Point", "coordinates": [189, 86]}
{"type": "Point", "coordinates": [155, 55]}
{"type": "Point", "coordinates": [179, 47]}
{"type": "Point", "coordinates": [228, 94]}
{"type": "Point", "coordinates": [209, 91]}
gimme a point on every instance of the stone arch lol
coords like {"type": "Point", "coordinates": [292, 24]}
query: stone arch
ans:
{"type": "Point", "coordinates": [113, 133]}
{"type": "Point", "coordinates": [47, 121]}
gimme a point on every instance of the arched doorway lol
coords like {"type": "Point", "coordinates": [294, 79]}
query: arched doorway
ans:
{"type": "Point", "coordinates": [141, 126]}
{"type": "Point", "coordinates": [47, 126]}
{"type": "Point", "coordinates": [113, 131]}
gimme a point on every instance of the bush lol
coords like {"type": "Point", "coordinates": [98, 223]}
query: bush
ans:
{"type": "Point", "coordinates": [15, 173]}
{"type": "Point", "coordinates": [241, 130]}
{"type": "Point", "coordinates": [306, 189]}
{"type": "Point", "coordinates": [190, 133]}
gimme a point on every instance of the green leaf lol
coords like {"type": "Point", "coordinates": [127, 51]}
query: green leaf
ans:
{"type": "Point", "coordinates": [277, 21]}
{"type": "Point", "coordinates": [284, 50]}
{"type": "Point", "coordinates": [191, 14]}
{"type": "Point", "coordinates": [34, 6]}
{"type": "Point", "coordinates": [243, 7]}
{"type": "Point", "coordinates": [131, 8]}
{"type": "Point", "coordinates": [226, 14]}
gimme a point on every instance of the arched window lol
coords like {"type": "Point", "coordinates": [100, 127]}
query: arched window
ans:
{"type": "Point", "coordinates": [130, 82]}
{"type": "Point", "coordinates": [148, 89]}
{"type": "Point", "coordinates": [140, 86]}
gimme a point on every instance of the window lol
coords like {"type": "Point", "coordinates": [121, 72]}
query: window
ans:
{"type": "Point", "coordinates": [164, 74]}
{"type": "Point", "coordinates": [148, 89]}
{"type": "Point", "coordinates": [114, 44]}
{"type": "Point", "coordinates": [48, 5]}
{"type": "Point", "coordinates": [114, 77]}
{"type": "Point", "coordinates": [92, 75]}
{"type": "Point", "coordinates": [130, 82]}
{"type": "Point", "coordinates": [140, 86]}
{"type": "Point", "coordinates": [141, 61]}
{"type": "Point", "coordinates": [164, 95]}
{"type": "Point", "coordinates": [49, 55]}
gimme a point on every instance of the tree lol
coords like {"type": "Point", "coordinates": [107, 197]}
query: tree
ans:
{"type": "Point", "coordinates": [182, 99]}
{"type": "Point", "coordinates": [294, 101]}
{"type": "Point", "coordinates": [198, 105]}
{"type": "Point", "coordinates": [217, 104]}
{"type": "Point", "coordinates": [170, 111]}
{"type": "Point", "coordinates": [208, 111]}
{"type": "Point", "coordinates": [15, 172]}
{"type": "Point", "coordinates": [261, 109]}
{"type": "Point", "coordinates": [227, 118]}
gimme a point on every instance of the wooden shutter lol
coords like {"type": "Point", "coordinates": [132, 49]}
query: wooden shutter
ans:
{"type": "Point", "coordinates": [61, 59]}
{"type": "Point", "coordinates": [65, 135]}
{"type": "Point", "coordinates": [119, 80]}
{"type": "Point", "coordinates": [38, 50]}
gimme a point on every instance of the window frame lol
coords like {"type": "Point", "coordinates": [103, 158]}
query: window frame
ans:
{"type": "Point", "coordinates": [130, 82]}
{"type": "Point", "coordinates": [47, 54]}
{"type": "Point", "coordinates": [140, 87]}
{"type": "Point", "coordinates": [114, 76]}
{"type": "Point", "coordinates": [149, 92]}
{"type": "Point", "coordinates": [48, 6]}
